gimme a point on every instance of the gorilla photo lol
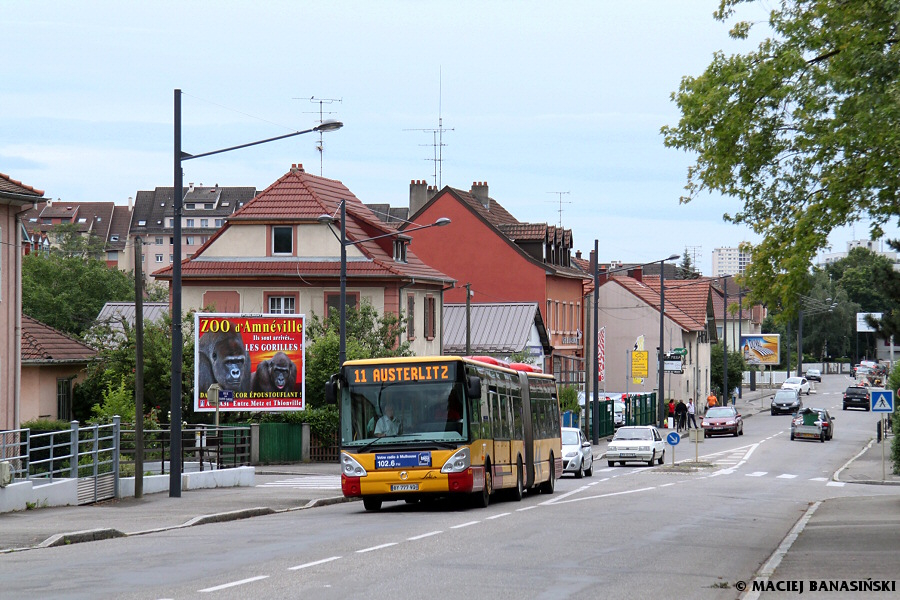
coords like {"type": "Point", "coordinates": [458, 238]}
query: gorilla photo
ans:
{"type": "Point", "coordinates": [223, 359]}
{"type": "Point", "coordinates": [278, 374]}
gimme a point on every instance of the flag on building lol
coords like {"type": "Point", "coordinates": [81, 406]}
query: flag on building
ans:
{"type": "Point", "coordinates": [601, 355]}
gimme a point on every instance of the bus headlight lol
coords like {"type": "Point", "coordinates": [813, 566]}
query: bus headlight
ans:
{"type": "Point", "coordinates": [350, 467]}
{"type": "Point", "coordinates": [460, 461]}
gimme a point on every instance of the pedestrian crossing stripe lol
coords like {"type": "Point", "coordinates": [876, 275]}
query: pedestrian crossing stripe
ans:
{"type": "Point", "coordinates": [307, 482]}
{"type": "Point", "coordinates": [883, 401]}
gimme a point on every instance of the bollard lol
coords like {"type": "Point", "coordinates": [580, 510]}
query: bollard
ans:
{"type": "Point", "coordinates": [878, 432]}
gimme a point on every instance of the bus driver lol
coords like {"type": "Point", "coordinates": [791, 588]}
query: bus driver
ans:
{"type": "Point", "coordinates": [387, 425]}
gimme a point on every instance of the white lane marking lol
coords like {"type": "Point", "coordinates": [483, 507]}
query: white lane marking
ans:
{"type": "Point", "coordinates": [423, 536]}
{"type": "Point", "coordinates": [233, 583]}
{"type": "Point", "coordinates": [756, 474]}
{"type": "Point", "coordinates": [524, 509]}
{"type": "Point", "coordinates": [786, 476]}
{"type": "Point", "coordinates": [835, 484]}
{"type": "Point", "coordinates": [314, 563]}
{"type": "Point", "coordinates": [667, 484]}
{"type": "Point", "coordinates": [769, 568]}
{"type": "Point", "coordinates": [378, 547]}
{"type": "Point", "coordinates": [819, 479]}
{"type": "Point", "coordinates": [461, 525]}
{"type": "Point", "coordinates": [497, 516]}
{"type": "Point", "coordinates": [599, 496]}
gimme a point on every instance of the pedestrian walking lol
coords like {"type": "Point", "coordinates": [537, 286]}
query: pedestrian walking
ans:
{"type": "Point", "coordinates": [681, 414]}
{"type": "Point", "coordinates": [711, 400]}
{"type": "Point", "coordinates": [690, 413]}
{"type": "Point", "coordinates": [671, 413]}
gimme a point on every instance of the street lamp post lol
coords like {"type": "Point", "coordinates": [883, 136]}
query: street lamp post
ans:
{"type": "Point", "coordinates": [662, 314]}
{"type": "Point", "coordinates": [660, 411]}
{"type": "Point", "coordinates": [177, 336]}
{"type": "Point", "coordinates": [809, 306]}
{"type": "Point", "coordinates": [329, 220]}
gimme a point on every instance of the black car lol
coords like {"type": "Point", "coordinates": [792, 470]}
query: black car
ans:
{"type": "Point", "coordinates": [858, 396]}
{"type": "Point", "coordinates": [786, 401]}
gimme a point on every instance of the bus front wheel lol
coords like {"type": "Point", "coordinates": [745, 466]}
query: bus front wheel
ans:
{"type": "Point", "coordinates": [483, 498]}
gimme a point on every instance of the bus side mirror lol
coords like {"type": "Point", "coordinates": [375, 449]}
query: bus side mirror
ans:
{"type": "Point", "coordinates": [474, 388]}
{"type": "Point", "coordinates": [331, 389]}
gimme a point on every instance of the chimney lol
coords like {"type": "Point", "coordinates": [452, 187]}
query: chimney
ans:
{"type": "Point", "coordinates": [480, 191]}
{"type": "Point", "coordinates": [578, 254]}
{"type": "Point", "coordinates": [298, 168]}
{"type": "Point", "coordinates": [418, 195]}
{"type": "Point", "coordinates": [637, 273]}
{"type": "Point", "coordinates": [602, 275]}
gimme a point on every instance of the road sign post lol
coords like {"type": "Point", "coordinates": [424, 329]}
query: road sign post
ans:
{"type": "Point", "coordinates": [882, 402]}
{"type": "Point", "coordinates": [672, 439]}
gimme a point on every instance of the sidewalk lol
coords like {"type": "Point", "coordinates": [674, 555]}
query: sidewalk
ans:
{"type": "Point", "coordinates": [155, 512]}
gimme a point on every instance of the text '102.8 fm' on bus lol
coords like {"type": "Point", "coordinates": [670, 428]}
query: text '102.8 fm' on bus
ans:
{"type": "Point", "coordinates": [441, 426]}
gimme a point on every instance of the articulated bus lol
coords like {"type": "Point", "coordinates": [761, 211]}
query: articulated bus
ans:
{"type": "Point", "coordinates": [414, 428]}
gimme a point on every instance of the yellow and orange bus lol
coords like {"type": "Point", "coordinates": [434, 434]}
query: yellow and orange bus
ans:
{"type": "Point", "coordinates": [415, 427]}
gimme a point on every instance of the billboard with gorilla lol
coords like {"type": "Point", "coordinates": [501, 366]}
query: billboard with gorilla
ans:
{"type": "Point", "coordinates": [260, 358]}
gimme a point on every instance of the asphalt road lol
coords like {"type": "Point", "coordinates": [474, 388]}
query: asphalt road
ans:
{"type": "Point", "coordinates": [625, 532]}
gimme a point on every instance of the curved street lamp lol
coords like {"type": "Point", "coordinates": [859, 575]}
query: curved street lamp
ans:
{"type": "Point", "coordinates": [329, 220]}
{"type": "Point", "coordinates": [177, 341]}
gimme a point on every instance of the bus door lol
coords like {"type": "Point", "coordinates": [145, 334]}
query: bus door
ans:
{"type": "Point", "coordinates": [529, 430]}
{"type": "Point", "coordinates": [502, 435]}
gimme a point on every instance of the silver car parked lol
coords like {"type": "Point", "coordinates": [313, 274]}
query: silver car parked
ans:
{"type": "Point", "coordinates": [578, 456]}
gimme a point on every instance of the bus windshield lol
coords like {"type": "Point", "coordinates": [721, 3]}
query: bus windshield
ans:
{"type": "Point", "coordinates": [403, 412]}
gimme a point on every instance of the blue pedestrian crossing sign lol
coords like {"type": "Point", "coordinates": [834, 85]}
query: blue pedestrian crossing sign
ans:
{"type": "Point", "coordinates": [673, 439]}
{"type": "Point", "coordinates": [882, 401]}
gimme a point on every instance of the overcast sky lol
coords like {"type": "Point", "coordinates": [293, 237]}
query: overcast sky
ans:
{"type": "Point", "coordinates": [535, 98]}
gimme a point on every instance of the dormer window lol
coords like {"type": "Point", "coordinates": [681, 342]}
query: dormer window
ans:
{"type": "Point", "coordinates": [282, 240]}
{"type": "Point", "coordinates": [208, 206]}
{"type": "Point", "coordinates": [114, 238]}
{"type": "Point", "coordinates": [400, 250]}
{"type": "Point", "coordinates": [142, 223]}
{"type": "Point", "coordinates": [190, 206]}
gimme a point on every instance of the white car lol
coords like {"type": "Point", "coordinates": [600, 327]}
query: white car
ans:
{"type": "Point", "coordinates": [578, 457]}
{"type": "Point", "coordinates": [640, 443]}
{"type": "Point", "coordinates": [796, 383]}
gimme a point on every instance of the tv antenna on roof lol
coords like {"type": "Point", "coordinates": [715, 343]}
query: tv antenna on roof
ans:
{"type": "Point", "coordinates": [438, 139]}
{"type": "Point", "coordinates": [321, 102]}
{"type": "Point", "coordinates": [560, 201]}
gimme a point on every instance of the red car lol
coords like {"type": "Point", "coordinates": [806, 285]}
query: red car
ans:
{"type": "Point", "coordinates": [721, 420]}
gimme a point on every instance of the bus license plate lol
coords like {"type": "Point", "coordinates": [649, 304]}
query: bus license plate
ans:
{"type": "Point", "coordinates": [405, 487]}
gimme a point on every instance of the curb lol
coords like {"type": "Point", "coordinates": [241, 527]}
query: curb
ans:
{"type": "Point", "coordinates": [93, 535]}
{"type": "Point", "coordinates": [77, 537]}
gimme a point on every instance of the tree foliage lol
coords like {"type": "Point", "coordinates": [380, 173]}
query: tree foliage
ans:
{"type": "Point", "coordinates": [736, 368]}
{"type": "Point", "coordinates": [368, 336]}
{"type": "Point", "coordinates": [802, 130]}
{"type": "Point", "coordinates": [115, 365]}
{"type": "Point", "coordinates": [67, 292]}
{"type": "Point", "coordinates": [686, 270]}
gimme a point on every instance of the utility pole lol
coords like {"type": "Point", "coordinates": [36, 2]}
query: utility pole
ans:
{"type": "Point", "coordinates": [468, 319]}
{"type": "Point", "coordinates": [138, 370]}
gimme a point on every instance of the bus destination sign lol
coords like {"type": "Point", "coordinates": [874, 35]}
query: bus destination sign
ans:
{"type": "Point", "coordinates": [402, 373]}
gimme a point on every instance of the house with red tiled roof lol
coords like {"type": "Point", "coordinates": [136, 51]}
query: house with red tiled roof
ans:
{"type": "Point", "coordinates": [274, 256]}
{"type": "Point", "coordinates": [505, 260]}
{"type": "Point", "coordinates": [629, 310]}
{"type": "Point", "coordinates": [52, 364]}
{"type": "Point", "coordinates": [15, 199]}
